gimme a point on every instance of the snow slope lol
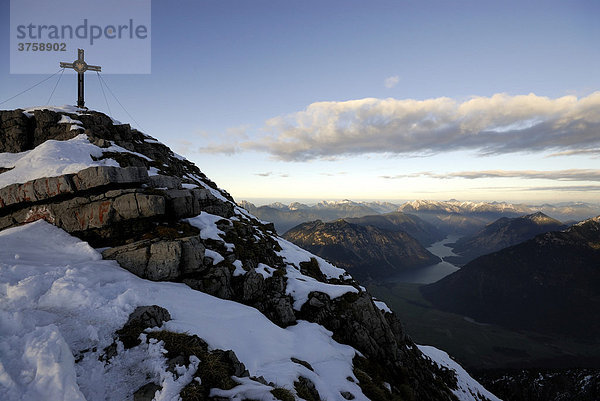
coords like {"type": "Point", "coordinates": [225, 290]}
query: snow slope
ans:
{"type": "Point", "coordinates": [468, 388]}
{"type": "Point", "coordinates": [58, 298]}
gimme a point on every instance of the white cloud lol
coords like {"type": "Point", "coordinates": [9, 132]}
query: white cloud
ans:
{"type": "Point", "coordinates": [498, 124]}
{"type": "Point", "coordinates": [232, 136]}
{"type": "Point", "coordinates": [392, 81]}
{"type": "Point", "coordinates": [224, 148]}
{"type": "Point", "coordinates": [270, 174]}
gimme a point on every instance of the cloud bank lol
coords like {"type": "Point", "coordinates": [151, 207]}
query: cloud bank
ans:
{"type": "Point", "coordinates": [498, 124]}
{"type": "Point", "coordinates": [271, 174]}
{"type": "Point", "coordinates": [556, 175]}
{"type": "Point", "coordinates": [586, 152]}
{"type": "Point", "coordinates": [569, 188]}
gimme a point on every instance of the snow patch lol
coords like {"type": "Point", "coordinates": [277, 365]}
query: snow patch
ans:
{"type": "Point", "coordinates": [178, 156]}
{"type": "Point", "coordinates": [213, 191]}
{"type": "Point", "coordinates": [58, 109]}
{"type": "Point", "coordinates": [467, 386]}
{"type": "Point", "coordinates": [299, 286]}
{"type": "Point", "coordinates": [55, 158]}
{"type": "Point", "coordinates": [51, 159]}
{"type": "Point", "coordinates": [116, 122]}
{"type": "Point", "coordinates": [293, 254]}
{"type": "Point", "coordinates": [264, 270]}
{"type": "Point", "coordinates": [75, 124]}
{"type": "Point", "coordinates": [246, 390]}
{"type": "Point", "coordinates": [239, 270]}
{"type": "Point", "coordinates": [215, 256]}
{"type": "Point", "coordinates": [382, 305]}
{"type": "Point", "coordinates": [119, 149]}
{"type": "Point", "coordinates": [207, 224]}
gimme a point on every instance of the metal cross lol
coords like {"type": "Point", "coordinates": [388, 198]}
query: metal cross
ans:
{"type": "Point", "coordinates": [80, 66]}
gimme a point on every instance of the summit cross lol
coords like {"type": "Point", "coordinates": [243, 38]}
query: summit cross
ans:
{"type": "Point", "coordinates": [80, 66]}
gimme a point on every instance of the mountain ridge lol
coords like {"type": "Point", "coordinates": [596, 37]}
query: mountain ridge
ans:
{"type": "Point", "coordinates": [156, 215]}
{"type": "Point", "coordinates": [502, 233]}
{"type": "Point", "coordinates": [366, 251]}
{"type": "Point", "coordinates": [452, 217]}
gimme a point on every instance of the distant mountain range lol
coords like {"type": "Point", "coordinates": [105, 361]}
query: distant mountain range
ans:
{"type": "Point", "coordinates": [450, 217]}
{"type": "Point", "coordinates": [367, 252]}
{"type": "Point", "coordinates": [463, 218]}
{"type": "Point", "coordinates": [502, 233]}
{"type": "Point", "coordinates": [467, 218]}
{"type": "Point", "coordinates": [550, 283]}
{"type": "Point", "coordinates": [285, 217]}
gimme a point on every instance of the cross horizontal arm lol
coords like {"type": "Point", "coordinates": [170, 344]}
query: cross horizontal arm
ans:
{"type": "Point", "coordinates": [94, 68]}
{"type": "Point", "coordinates": [66, 65]}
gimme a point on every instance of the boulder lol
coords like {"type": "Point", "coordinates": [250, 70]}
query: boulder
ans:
{"type": "Point", "coordinates": [16, 131]}
{"type": "Point", "coordinates": [160, 259]}
{"type": "Point", "coordinates": [148, 316]}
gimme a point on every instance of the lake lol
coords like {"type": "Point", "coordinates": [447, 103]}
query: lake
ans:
{"type": "Point", "coordinates": [430, 274]}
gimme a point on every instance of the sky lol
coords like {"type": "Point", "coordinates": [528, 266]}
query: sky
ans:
{"type": "Point", "coordinates": [387, 100]}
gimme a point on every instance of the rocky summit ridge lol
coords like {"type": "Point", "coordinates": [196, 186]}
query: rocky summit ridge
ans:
{"type": "Point", "coordinates": [162, 219]}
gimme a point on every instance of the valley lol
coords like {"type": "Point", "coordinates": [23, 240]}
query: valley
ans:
{"type": "Point", "coordinates": [524, 325]}
{"type": "Point", "coordinates": [432, 273]}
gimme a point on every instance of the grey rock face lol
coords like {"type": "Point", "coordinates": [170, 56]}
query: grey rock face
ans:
{"type": "Point", "coordinates": [268, 296]}
{"type": "Point", "coordinates": [14, 129]}
{"type": "Point", "coordinates": [36, 190]}
{"type": "Point", "coordinates": [45, 198]}
{"type": "Point", "coordinates": [356, 319]}
{"type": "Point", "coordinates": [160, 259]}
{"type": "Point", "coordinates": [100, 176]}
{"type": "Point", "coordinates": [164, 181]}
{"type": "Point", "coordinates": [79, 213]}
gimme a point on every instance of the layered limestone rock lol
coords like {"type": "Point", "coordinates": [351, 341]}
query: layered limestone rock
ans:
{"type": "Point", "coordinates": [162, 219]}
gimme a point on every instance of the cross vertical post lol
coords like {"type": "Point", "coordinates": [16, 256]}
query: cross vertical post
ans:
{"type": "Point", "coordinates": [81, 67]}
